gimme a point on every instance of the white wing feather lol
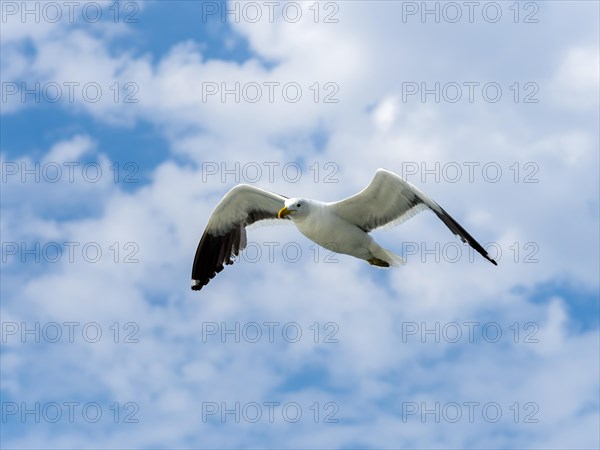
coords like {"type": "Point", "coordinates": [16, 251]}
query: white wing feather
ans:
{"type": "Point", "coordinates": [238, 206]}
{"type": "Point", "coordinates": [387, 200]}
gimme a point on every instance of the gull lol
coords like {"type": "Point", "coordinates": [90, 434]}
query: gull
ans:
{"type": "Point", "coordinates": [342, 226]}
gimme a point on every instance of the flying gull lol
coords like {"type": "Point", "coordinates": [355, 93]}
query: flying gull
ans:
{"type": "Point", "coordinates": [342, 227]}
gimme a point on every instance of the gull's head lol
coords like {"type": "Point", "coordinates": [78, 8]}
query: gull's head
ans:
{"type": "Point", "coordinates": [294, 207]}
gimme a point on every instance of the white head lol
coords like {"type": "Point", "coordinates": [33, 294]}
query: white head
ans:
{"type": "Point", "coordinates": [295, 208]}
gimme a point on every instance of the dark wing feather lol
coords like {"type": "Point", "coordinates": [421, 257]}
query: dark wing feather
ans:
{"type": "Point", "coordinates": [390, 200]}
{"type": "Point", "coordinates": [459, 231]}
{"type": "Point", "coordinates": [225, 234]}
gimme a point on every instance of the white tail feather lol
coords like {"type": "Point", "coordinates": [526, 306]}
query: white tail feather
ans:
{"type": "Point", "coordinates": [391, 258]}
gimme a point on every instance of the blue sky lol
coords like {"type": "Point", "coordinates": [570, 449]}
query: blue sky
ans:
{"type": "Point", "coordinates": [147, 117]}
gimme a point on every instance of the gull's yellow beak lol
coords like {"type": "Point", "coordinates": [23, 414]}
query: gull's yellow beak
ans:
{"type": "Point", "coordinates": [283, 212]}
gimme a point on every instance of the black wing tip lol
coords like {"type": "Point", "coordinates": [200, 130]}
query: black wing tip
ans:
{"type": "Point", "coordinates": [463, 234]}
{"type": "Point", "coordinates": [486, 256]}
{"type": "Point", "coordinates": [197, 285]}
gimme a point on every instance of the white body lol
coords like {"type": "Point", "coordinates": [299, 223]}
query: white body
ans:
{"type": "Point", "coordinates": [340, 235]}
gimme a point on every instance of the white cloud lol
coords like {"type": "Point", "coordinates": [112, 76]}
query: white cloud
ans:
{"type": "Point", "coordinates": [71, 150]}
{"type": "Point", "coordinates": [577, 80]}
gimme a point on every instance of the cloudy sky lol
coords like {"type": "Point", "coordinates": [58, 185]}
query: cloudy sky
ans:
{"type": "Point", "coordinates": [124, 123]}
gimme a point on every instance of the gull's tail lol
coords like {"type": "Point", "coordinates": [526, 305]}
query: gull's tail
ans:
{"type": "Point", "coordinates": [383, 257]}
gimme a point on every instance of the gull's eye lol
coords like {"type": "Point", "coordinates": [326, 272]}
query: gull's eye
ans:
{"type": "Point", "coordinates": [298, 205]}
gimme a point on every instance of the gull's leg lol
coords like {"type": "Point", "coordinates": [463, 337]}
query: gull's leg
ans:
{"type": "Point", "coordinates": [378, 262]}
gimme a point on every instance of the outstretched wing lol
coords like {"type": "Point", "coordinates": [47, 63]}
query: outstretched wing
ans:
{"type": "Point", "coordinates": [390, 200]}
{"type": "Point", "coordinates": [225, 234]}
